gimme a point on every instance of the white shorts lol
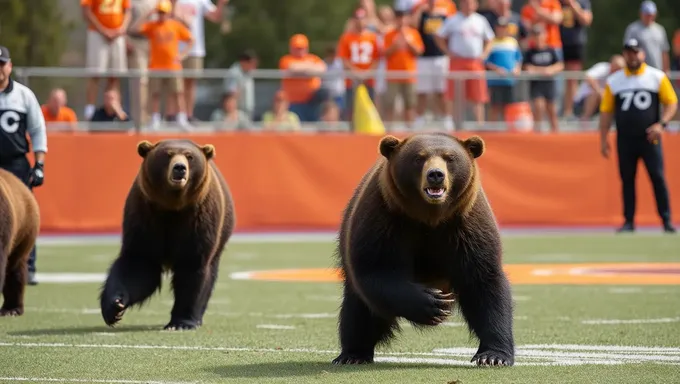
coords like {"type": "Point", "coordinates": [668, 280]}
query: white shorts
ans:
{"type": "Point", "coordinates": [103, 56]}
{"type": "Point", "coordinates": [380, 78]}
{"type": "Point", "coordinates": [432, 72]}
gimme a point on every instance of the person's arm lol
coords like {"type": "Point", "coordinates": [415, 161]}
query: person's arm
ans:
{"type": "Point", "coordinates": [606, 118]}
{"type": "Point", "coordinates": [553, 15]}
{"type": "Point", "coordinates": [488, 39]}
{"type": "Point", "coordinates": [669, 99]}
{"type": "Point", "coordinates": [441, 36]}
{"type": "Point", "coordinates": [665, 49]}
{"type": "Point", "coordinates": [584, 15]}
{"type": "Point", "coordinates": [555, 67]}
{"type": "Point", "coordinates": [37, 131]}
{"type": "Point", "coordinates": [390, 43]}
{"type": "Point", "coordinates": [415, 46]}
{"type": "Point", "coordinates": [140, 26]}
{"type": "Point", "coordinates": [126, 18]}
{"type": "Point", "coordinates": [185, 35]}
{"type": "Point", "coordinates": [89, 16]}
{"type": "Point", "coordinates": [214, 12]}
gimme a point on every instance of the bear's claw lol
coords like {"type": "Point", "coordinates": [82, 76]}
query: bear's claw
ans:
{"type": "Point", "coordinates": [492, 358]}
{"type": "Point", "coordinates": [11, 312]}
{"type": "Point", "coordinates": [346, 358]}
{"type": "Point", "coordinates": [181, 325]}
{"type": "Point", "coordinates": [114, 312]}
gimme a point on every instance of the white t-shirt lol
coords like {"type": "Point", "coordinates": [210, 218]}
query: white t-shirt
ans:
{"type": "Point", "coordinates": [195, 10]}
{"type": "Point", "coordinates": [599, 72]}
{"type": "Point", "coordinates": [466, 34]}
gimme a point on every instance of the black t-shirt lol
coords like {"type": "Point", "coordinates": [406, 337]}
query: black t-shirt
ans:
{"type": "Point", "coordinates": [544, 57]}
{"type": "Point", "coordinates": [428, 25]}
{"type": "Point", "coordinates": [571, 31]}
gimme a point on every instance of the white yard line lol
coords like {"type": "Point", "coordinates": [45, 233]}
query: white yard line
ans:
{"type": "Point", "coordinates": [631, 321]}
{"type": "Point", "coordinates": [274, 326]}
{"type": "Point", "coordinates": [113, 381]}
{"type": "Point", "coordinates": [542, 354]}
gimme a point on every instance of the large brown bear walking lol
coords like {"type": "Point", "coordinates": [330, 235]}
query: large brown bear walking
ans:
{"type": "Point", "coordinates": [178, 217]}
{"type": "Point", "coordinates": [417, 231]}
{"type": "Point", "coordinates": [19, 227]}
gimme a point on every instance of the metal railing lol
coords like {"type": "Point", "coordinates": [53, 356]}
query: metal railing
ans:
{"type": "Point", "coordinates": [211, 85]}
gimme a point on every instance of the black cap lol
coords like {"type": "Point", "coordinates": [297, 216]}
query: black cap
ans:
{"type": "Point", "coordinates": [4, 54]}
{"type": "Point", "coordinates": [631, 45]}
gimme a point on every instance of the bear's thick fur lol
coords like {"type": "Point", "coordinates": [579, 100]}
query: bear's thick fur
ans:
{"type": "Point", "coordinates": [19, 227]}
{"type": "Point", "coordinates": [417, 233]}
{"type": "Point", "coordinates": [178, 217]}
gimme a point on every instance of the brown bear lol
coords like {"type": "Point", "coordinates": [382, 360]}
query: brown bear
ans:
{"type": "Point", "coordinates": [19, 227]}
{"type": "Point", "coordinates": [417, 233]}
{"type": "Point", "coordinates": [178, 217]}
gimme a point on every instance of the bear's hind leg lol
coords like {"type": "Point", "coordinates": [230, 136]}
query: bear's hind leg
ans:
{"type": "Point", "coordinates": [131, 281]}
{"type": "Point", "coordinates": [360, 330]}
{"type": "Point", "coordinates": [16, 275]}
{"type": "Point", "coordinates": [209, 287]}
{"type": "Point", "coordinates": [188, 286]}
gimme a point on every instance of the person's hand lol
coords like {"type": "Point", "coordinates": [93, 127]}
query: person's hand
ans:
{"type": "Point", "coordinates": [516, 71]}
{"type": "Point", "coordinates": [535, 3]}
{"type": "Point", "coordinates": [501, 71]}
{"type": "Point", "coordinates": [37, 175]}
{"type": "Point", "coordinates": [654, 133]}
{"type": "Point", "coordinates": [605, 148]}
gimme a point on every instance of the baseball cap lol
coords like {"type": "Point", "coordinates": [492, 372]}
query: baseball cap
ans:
{"type": "Point", "coordinates": [648, 7]}
{"type": "Point", "coordinates": [4, 54]}
{"type": "Point", "coordinates": [164, 6]}
{"type": "Point", "coordinates": [631, 44]}
{"type": "Point", "coordinates": [299, 41]}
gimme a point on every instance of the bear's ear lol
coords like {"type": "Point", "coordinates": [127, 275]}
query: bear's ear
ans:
{"type": "Point", "coordinates": [388, 144]}
{"type": "Point", "coordinates": [475, 145]}
{"type": "Point", "coordinates": [208, 151]}
{"type": "Point", "coordinates": [144, 147]}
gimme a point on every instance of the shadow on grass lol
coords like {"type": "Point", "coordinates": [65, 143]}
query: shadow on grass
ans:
{"type": "Point", "coordinates": [86, 330]}
{"type": "Point", "coordinates": [310, 368]}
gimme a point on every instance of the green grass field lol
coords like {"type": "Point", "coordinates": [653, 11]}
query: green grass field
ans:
{"type": "Point", "coordinates": [286, 332]}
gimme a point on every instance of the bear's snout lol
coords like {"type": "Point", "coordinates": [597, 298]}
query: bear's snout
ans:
{"type": "Point", "coordinates": [179, 171]}
{"type": "Point", "coordinates": [435, 177]}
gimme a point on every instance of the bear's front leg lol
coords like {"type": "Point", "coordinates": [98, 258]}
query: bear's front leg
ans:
{"type": "Point", "coordinates": [188, 285]}
{"type": "Point", "coordinates": [486, 303]}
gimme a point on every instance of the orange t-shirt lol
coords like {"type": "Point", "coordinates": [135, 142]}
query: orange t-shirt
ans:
{"type": "Point", "coordinates": [446, 7]}
{"type": "Point", "coordinates": [164, 38]}
{"type": "Point", "coordinates": [361, 49]}
{"type": "Point", "coordinates": [403, 59]}
{"type": "Point", "coordinates": [552, 30]}
{"type": "Point", "coordinates": [299, 89]}
{"type": "Point", "coordinates": [65, 115]}
{"type": "Point", "coordinates": [109, 13]}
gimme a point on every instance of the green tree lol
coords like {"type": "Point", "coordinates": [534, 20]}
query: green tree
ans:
{"type": "Point", "coordinates": [34, 31]}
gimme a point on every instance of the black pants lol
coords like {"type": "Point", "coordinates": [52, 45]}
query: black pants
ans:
{"type": "Point", "coordinates": [21, 168]}
{"type": "Point", "coordinates": [630, 150]}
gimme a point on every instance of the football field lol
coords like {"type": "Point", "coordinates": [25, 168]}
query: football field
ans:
{"type": "Point", "coordinates": [589, 308]}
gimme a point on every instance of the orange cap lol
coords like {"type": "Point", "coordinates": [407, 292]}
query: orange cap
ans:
{"type": "Point", "coordinates": [299, 41]}
{"type": "Point", "coordinates": [164, 6]}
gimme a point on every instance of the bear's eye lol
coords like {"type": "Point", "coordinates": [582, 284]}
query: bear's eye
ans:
{"type": "Point", "coordinates": [419, 159]}
{"type": "Point", "coordinates": [189, 157]}
{"type": "Point", "coordinates": [448, 158]}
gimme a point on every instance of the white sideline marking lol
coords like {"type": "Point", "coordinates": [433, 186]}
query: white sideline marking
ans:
{"type": "Point", "coordinates": [542, 354]}
{"type": "Point", "coordinates": [65, 278]}
{"type": "Point", "coordinates": [52, 379]}
{"type": "Point", "coordinates": [274, 326]}
{"type": "Point", "coordinates": [625, 290]}
{"type": "Point", "coordinates": [631, 321]}
{"type": "Point", "coordinates": [306, 315]}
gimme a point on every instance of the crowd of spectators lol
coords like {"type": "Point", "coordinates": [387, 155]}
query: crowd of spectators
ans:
{"type": "Point", "coordinates": [403, 54]}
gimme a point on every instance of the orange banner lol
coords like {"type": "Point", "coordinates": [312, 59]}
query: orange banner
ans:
{"type": "Point", "coordinates": [303, 181]}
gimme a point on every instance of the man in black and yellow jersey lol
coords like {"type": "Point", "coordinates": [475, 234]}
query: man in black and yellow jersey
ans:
{"type": "Point", "coordinates": [632, 98]}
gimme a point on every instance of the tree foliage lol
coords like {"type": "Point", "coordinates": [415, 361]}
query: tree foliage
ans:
{"type": "Point", "coordinates": [34, 31]}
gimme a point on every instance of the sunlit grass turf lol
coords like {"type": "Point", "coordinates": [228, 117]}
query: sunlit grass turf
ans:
{"type": "Point", "coordinates": [63, 336]}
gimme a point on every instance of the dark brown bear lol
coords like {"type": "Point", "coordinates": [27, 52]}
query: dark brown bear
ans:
{"type": "Point", "coordinates": [19, 227]}
{"type": "Point", "coordinates": [417, 231]}
{"type": "Point", "coordinates": [178, 217]}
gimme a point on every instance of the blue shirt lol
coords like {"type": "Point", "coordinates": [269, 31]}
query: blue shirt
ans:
{"type": "Point", "coordinates": [505, 53]}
